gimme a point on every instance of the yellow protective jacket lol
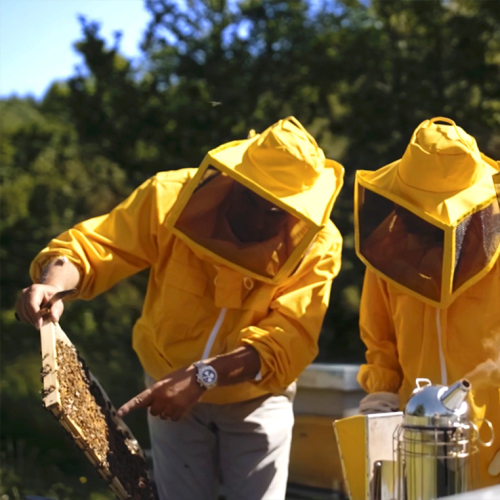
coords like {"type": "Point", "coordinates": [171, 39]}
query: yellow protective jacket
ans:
{"type": "Point", "coordinates": [407, 338]}
{"type": "Point", "coordinates": [180, 323]}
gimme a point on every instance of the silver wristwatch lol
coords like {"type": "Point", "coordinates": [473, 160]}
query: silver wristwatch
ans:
{"type": "Point", "coordinates": [206, 375]}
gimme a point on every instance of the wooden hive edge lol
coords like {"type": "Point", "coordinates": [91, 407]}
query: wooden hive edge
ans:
{"type": "Point", "coordinates": [118, 489]}
{"type": "Point", "coordinates": [51, 393]}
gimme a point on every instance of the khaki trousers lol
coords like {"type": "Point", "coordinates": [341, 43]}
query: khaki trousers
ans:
{"type": "Point", "coordinates": [246, 446]}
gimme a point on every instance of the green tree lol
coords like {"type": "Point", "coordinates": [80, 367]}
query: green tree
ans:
{"type": "Point", "coordinates": [49, 182]}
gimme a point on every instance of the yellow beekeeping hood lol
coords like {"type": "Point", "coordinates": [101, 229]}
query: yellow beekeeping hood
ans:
{"type": "Point", "coordinates": [430, 222]}
{"type": "Point", "coordinates": [283, 165]}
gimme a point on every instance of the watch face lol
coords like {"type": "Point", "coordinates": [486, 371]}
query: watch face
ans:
{"type": "Point", "coordinates": [208, 375]}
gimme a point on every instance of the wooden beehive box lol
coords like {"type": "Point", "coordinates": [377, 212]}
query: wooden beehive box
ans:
{"type": "Point", "coordinates": [75, 397]}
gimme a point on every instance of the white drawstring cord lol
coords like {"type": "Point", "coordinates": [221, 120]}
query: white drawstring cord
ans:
{"type": "Point", "coordinates": [444, 375]}
{"type": "Point", "coordinates": [213, 334]}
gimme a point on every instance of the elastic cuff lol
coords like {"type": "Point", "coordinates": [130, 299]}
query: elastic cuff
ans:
{"type": "Point", "coordinates": [374, 378]}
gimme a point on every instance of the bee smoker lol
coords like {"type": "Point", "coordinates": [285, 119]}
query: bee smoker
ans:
{"type": "Point", "coordinates": [437, 445]}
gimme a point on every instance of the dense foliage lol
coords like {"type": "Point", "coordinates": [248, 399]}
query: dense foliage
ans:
{"type": "Point", "coordinates": [360, 75]}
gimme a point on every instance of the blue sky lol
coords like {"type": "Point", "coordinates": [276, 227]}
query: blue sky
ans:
{"type": "Point", "coordinates": [37, 36]}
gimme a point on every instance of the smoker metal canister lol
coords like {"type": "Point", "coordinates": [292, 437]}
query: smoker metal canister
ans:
{"type": "Point", "coordinates": [436, 441]}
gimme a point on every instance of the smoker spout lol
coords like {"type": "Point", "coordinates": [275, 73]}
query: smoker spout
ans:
{"type": "Point", "coordinates": [456, 394]}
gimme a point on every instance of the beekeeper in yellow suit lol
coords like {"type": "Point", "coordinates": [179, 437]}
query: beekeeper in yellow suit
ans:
{"type": "Point", "coordinates": [428, 231]}
{"type": "Point", "coordinates": [242, 254]}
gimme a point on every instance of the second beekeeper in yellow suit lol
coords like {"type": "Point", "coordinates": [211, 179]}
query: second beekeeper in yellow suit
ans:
{"type": "Point", "coordinates": [242, 254]}
{"type": "Point", "coordinates": [428, 231]}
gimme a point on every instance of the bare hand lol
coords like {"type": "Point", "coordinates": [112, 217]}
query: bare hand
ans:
{"type": "Point", "coordinates": [29, 306]}
{"type": "Point", "coordinates": [170, 398]}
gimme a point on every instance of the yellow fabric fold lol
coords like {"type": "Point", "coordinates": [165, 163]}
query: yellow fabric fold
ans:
{"type": "Point", "coordinates": [228, 288]}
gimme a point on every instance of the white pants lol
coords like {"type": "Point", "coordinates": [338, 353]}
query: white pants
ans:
{"type": "Point", "coordinates": [246, 445]}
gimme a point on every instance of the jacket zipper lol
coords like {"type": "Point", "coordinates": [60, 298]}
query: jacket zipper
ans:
{"type": "Point", "coordinates": [444, 376]}
{"type": "Point", "coordinates": [213, 333]}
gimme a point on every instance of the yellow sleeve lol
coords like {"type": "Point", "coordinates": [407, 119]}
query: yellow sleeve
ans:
{"type": "Point", "coordinates": [382, 371]}
{"type": "Point", "coordinates": [287, 339]}
{"type": "Point", "coordinates": [111, 247]}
